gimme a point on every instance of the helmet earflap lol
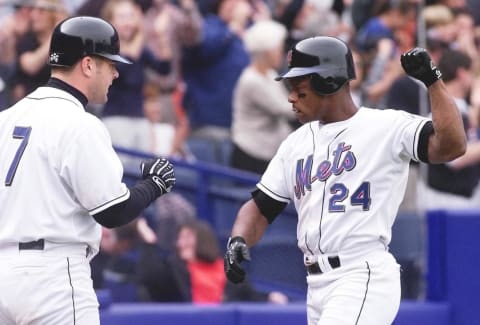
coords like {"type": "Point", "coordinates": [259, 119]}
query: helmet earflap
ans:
{"type": "Point", "coordinates": [325, 86]}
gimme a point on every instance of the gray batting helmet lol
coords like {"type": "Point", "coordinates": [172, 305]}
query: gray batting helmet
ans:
{"type": "Point", "coordinates": [327, 59]}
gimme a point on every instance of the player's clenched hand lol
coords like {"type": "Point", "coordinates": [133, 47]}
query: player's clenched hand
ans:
{"type": "Point", "coordinates": [160, 171]}
{"type": "Point", "coordinates": [237, 252]}
{"type": "Point", "coordinates": [418, 64]}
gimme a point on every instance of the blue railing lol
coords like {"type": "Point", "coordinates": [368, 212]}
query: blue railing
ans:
{"type": "Point", "coordinates": [217, 192]}
{"type": "Point", "coordinates": [199, 178]}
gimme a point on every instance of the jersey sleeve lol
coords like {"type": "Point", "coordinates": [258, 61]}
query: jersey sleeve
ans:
{"type": "Point", "coordinates": [273, 182]}
{"type": "Point", "coordinates": [407, 135]}
{"type": "Point", "coordinates": [92, 169]}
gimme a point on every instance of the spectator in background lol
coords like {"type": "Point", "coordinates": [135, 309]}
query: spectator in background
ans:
{"type": "Point", "coordinates": [465, 35]}
{"type": "Point", "coordinates": [307, 18]}
{"type": "Point", "coordinates": [125, 96]}
{"type": "Point", "coordinates": [454, 4]}
{"type": "Point", "coordinates": [261, 112]}
{"type": "Point", "coordinates": [378, 45]}
{"type": "Point", "coordinates": [173, 26]}
{"type": "Point", "coordinates": [12, 27]}
{"type": "Point", "coordinates": [382, 71]}
{"type": "Point", "coordinates": [159, 135]}
{"type": "Point", "coordinates": [212, 67]}
{"type": "Point", "coordinates": [90, 8]}
{"type": "Point", "coordinates": [195, 272]}
{"type": "Point", "coordinates": [388, 17]}
{"type": "Point", "coordinates": [123, 114]}
{"type": "Point", "coordinates": [117, 259]}
{"type": "Point", "coordinates": [448, 186]}
{"type": "Point", "coordinates": [356, 84]}
{"type": "Point", "coordinates": [439, 23]}
{"type": "Point", "coordinates": [361, 11]}
{"type": "Point", "coordinates": [32, 48]}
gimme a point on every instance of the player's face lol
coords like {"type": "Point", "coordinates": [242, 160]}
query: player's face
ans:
{"type": "Point", "coordinates": [105, 73]}
{"type": "Point", "coordinates": [307, 105]}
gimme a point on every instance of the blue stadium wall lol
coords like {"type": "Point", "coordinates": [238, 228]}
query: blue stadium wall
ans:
{"type": "Point", "coordinates": [452, 297]}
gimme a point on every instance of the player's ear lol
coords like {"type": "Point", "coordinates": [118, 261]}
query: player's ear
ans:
{"type": "Point", "coordinates": [86, 65]}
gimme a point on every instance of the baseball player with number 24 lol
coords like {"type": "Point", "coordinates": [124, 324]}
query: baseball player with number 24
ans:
{"type": "Point", "coordinates": [345, 170]}
{"type": "Point", "coordinates": [61, 180]}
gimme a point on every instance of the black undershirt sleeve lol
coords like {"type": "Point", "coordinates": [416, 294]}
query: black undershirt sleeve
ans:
{"type": "Point", "coordinates": [423, 140]}
{"type": "Point", "coordinates": [141, 195]}
{"type": "Point", "coordinates": [269, 207]}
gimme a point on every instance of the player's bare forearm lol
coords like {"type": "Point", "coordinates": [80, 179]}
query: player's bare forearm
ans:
{"type": "Point", "coordinates": [250, 223]}
{"type": "Point", "coordinates": [449, 140]}
{"type": "Point", "coordinates": [470, 158]}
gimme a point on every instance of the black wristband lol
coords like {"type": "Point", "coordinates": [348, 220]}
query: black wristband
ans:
{"type": "Point", "coordinates": [432, 77]}
{"type": "Point", "coordinates": [236, 239]}
{"type": "Point", "coordinates": [141, 195]}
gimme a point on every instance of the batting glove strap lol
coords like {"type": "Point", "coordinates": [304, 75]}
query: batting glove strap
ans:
{"type": "Point", "coordinates": [159, 185]}
{"type": "Point", "coordinates": [237, 252]}
{"type": "Point", "coordinates": [160, 172]}
{"type": "Point", "coordinates": [418, 64]}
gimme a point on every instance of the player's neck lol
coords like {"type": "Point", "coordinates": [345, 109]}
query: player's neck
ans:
{"type": "Point", "coordinates": [340, 109]}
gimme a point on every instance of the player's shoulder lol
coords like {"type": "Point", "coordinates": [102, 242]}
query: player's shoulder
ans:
{"type": "Point", "coordinates": [54, 98]}
{"type": "Point", "coordinates": [300, 132]}
{"type": "Point", "coordinates": [388, 114]}
{"type": "Point", "coordinates": [64, 110]}
{"type": "Point", "coordinates": [297, 136]}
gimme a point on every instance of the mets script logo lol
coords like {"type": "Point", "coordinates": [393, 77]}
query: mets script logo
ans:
{"type": "Point", "coordinates": [343, 160]}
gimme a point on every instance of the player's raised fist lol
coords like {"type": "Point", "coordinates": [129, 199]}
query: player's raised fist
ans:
{"type": "Point", "coordinates": [237, 252]}
{"type": "Point", "coordinates": [418, 64]}
{"type": "Point", "coordinates": [160, 171]}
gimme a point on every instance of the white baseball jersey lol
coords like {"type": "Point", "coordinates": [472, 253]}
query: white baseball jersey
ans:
{"type": "Point", "coordinates": [58, 167]}
{"type": "Point", "coordinates": [346, 179]}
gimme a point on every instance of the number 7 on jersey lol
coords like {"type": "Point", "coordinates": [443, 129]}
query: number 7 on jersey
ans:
{"type": "Point", "coordinates": [23, 133]}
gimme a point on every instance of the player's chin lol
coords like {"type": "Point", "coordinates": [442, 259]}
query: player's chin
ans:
{"type": "Point", "coordinates": [302, 118]}
{"type": "Point", "coordinates": [100, 100]}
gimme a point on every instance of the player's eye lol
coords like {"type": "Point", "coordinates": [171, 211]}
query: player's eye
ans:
{"type": "Point", "coordinates": [287, 85]}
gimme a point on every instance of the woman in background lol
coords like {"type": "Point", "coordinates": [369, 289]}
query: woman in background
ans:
{"type": "Point", "coordinates": [261, 111]}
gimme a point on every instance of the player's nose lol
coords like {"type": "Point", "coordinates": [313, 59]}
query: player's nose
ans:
{"type": "Point", "coordinates": [292, 97]}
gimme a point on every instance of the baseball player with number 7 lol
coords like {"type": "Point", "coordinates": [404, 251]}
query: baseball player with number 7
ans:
{"type": "Point", "coordinates": [345, 170]}
{"type": "Point", "coordinates": [61, 179]}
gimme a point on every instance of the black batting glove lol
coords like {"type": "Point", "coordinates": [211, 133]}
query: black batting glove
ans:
{"type": "Point", "coordinates": [418, 64]}
{"type": "Point", "coordinates": [237, 252]}
{"type": "Point", "coordinates": [160, 172]}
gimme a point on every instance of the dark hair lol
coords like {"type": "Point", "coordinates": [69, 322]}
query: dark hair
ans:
{"type": "Point", "coordinates": [207, 249]}
{"type": "Point", "coordinates": [381, 6]}
{"type": "Point", "coordinates": [128, 232]}
{"type": "Point", "coordinates": [290, 13]}
{"type": "Point", "coordinates": [451, 61]}
{"type": "Point", "coordinates": [461, 11]}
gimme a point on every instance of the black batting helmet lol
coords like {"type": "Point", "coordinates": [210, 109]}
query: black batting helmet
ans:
{"type": "Point", "coordinates": [327, 59]}
{"type": "Point", "coordinates": [77, 37]}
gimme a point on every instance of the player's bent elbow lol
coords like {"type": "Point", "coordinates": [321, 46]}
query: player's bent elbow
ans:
{"type": "Point", "coordinates": [459, 150]}
{"type": "Point", "coordinates": [449, 154]}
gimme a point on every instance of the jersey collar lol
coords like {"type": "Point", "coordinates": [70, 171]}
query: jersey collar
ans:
{"type": "Point", "coordinates": [59, 84]}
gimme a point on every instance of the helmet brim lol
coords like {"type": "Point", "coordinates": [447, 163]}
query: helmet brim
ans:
{"type": "Point", "coordinates": [297, 72]}
{"type": "Point", "coordinates": [115, 58]}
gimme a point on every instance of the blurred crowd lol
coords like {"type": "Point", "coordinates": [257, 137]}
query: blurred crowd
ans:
{"type": "Point", "coordinates": [205, 70]}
